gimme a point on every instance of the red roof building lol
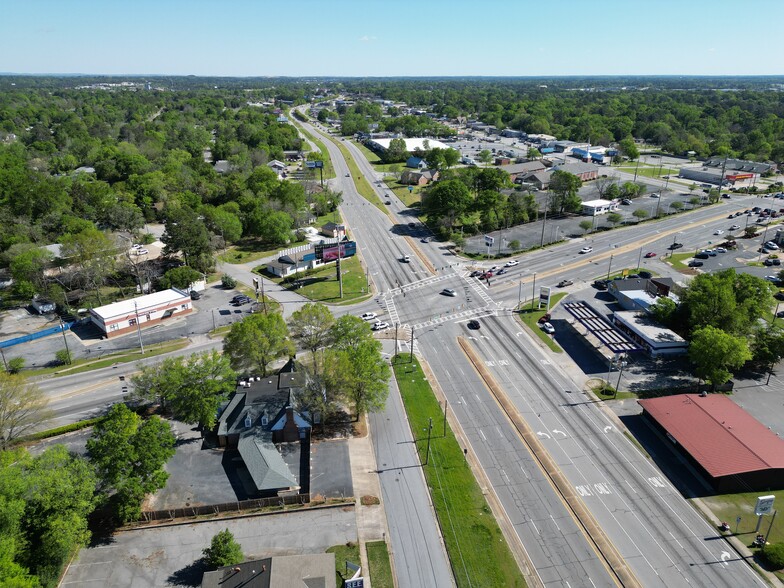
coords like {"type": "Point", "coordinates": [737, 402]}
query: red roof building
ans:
{"type": "Point", "coordinates": [730, 447]}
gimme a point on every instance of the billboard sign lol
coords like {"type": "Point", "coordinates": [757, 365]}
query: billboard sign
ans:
{"type": "Point", "coordinates": [764, 505]}
{"type": "Point", "coordinates": [330, 253]}
{"type": "Point", "coordinates": [314, 164]}
{"type": "Point", "coordinates": [544, 297]}
{"type": "Point", "coordinates": [489, 241]}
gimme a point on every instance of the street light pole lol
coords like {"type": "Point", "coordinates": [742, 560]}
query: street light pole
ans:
{"type": "Point", "coordinates": [65, 339]}
{"type": "Point", "coordinates": [138, 328]}
{"type": "Point", "coordinates": [533, 292]}
{"type": "Point", "coordinates": [429, 429]}
{"type": "Point", "coordinates": [609, 268]}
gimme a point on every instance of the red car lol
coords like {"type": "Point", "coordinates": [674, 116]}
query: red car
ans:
{"type": "Point", "coordinates": [650, 254]}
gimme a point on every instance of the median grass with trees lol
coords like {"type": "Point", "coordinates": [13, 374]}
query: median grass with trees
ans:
{"type": "Point", "coordinates": [476, 547]}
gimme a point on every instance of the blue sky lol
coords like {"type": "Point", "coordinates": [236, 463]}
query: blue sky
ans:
{"type": "Point", "coordinates": [392, 37]}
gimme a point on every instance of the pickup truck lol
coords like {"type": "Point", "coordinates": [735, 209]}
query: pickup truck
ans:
{"type": "Point", "coordinates": [565, 283]}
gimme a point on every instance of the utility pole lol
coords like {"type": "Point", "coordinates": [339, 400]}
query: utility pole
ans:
{"type": "Point", "coordinates": [340, 273]}
{"type": "Point", "coordinates": [544, 222]}
{"type": "Point", "coordinates": [429, 429]}
{"type": "Point", "coordinates": [411, 358]}
{"type": "Point", "coordinates": [639, 259]}
{"type": "Point", "coordinates": [65, 339]}
{"type": "Point", "coordinates": [397, 325]}
{"type": "Point", "coordinates": [213, 320]}
{"type": "Point", "coordinates": [446, 405]}
{"type": "Point", "coordinates": [621, 363]}
{"type": "Point", "coordinates": [520, 294]}
{"type": "Point", "coordinates": [2, 354]}
{"type": "Point", "coordinates": [533, 292]}
{"type": "Point", "coordinates": [138, 327]}
{"type": "Point", "coordinates": [609, 268]}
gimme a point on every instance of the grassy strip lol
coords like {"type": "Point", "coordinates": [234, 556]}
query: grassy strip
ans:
{"type": "Point", "coordinates": [363, 186]}
{"type": "Point", "coordinates": [530, 317]}
{"type": "Point", "coordinates": [344, 553]}
{"type": "Point", "coordinates": [677, 260]}
{"type": "Point", "coordinates": [474, 542]}
{"type": "Point", "coordinates": [59, 430]}
{"type": "Point", "coordinates": [378, 562]}
{"type": "Point", "coordinates": [322, 285]}
{"type": "Point", "coordinates": [329, 170]}
{"type": "Point", "coordinates": [79, 366]}
{"type": "Point", "coordinates": [251, 250]}
{"type": "Point", "coordinates": [376, 161]}
{"type": "Point", "coordinates": [401, 191]}
{"type": "Point", "coordinates": [650, 171]}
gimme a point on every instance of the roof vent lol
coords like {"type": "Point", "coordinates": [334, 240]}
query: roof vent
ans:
{"type": "Point", "coordinates": [248, 421]}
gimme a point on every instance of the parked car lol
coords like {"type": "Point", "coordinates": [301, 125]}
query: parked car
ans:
{"type": "Point", "coordinates": [650, 254]}
{"type": "Point", "coordinates": [702, 255]}
{"type": "Point", "coordinates": [695, 263]}
{"type": "Point", "coordinates": [600, 284]}
{"type": "Point", "coordinates": [586, 249]}
{"type": "Point", "coordinates": [626, 201]}
{"type": "Point", "coordinates": [380, 326]}
{"type": "Point", "coordinates": [142, 251]}
{"type": "Point", "coordinates": [779, 295]}
{"type": "Point", "coordinates": [548, 328]}
{"type": "Point", "coordinates": [773, 279]}
{"type": "Point", "coordinates": [195, 295]}
{"type": "Point", "coordinates": [771, 245]}
{"type": "Point", "coordinates": [368, 316]}
{"type": "Point", "coordinates": [655, 195]}
{"type": "Point", "coordinates": [565, 283]}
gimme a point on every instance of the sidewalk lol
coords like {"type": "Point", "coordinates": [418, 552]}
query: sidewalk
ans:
{"type": "Point", "coordinates": [371, 519]}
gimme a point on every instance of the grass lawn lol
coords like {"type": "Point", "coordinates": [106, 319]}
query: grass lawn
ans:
{"type": "Point", "coordinates": [344, 553]}
{"type": "Point", "coordinates": [378, 561]}
{"type": "Point", "coordinates": [373, 158]}
{"type": "Point", "coordinates": [530, 317]}
{"type": "Point", "coordinates": [649, 171]}
{"type": "Point", "coordinates": [321, 284]}
{"type": "Point", "coordinates": [85, 365]}
{"type": "Point", "coordinates": [363, 186]}
{"type": "Point", "coordinates": [728, 507]}
{"type": "Point", "coordinates": [474, 542]}
{"type": "Point", "coordinates": [401, 191]}
{"type": "Point", "coordinates": [677, 260]}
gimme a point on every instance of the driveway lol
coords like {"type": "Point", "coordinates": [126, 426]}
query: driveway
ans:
{"type": "Point", "coordinates": [170, 556]}
{"type": "Point", "coordinates": [330, 469]}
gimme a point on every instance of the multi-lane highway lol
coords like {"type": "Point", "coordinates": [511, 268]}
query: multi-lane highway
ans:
{"type": "Point", "coordinates": [662, 539]}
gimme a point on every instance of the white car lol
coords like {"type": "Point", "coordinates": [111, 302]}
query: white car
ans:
{"type": "Point", "coordinates": [380, 326]}
{"type": "Point", "coordinates": [136, 246]}
{"type": "Point", "coordinates": [734, 227]}
{"type": "Point", "coordinates": [718, 232]}
{"type": "Point", "coordinates": [772, 246]}
{"type": "Point", "coordinates": [368, 316]}
{"type": "Point", "coordinates": [773, 279]}
{"type": "Point", "coordinates": [141, 252]}
{"type": "Point", "coordinates": [511, 263]}
{"type": "Point", "coordinates": [586, 249]}
{"type": "Point", "coordinates": [548, 328]}
{"type": "Point", "coordinates": [406, 259]}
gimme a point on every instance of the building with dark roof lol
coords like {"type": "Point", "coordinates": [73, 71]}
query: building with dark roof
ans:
{"type": "Point", "coordinates": [732, 449]}
{"type": "Point", "coordinates": [260, 416]}
{"type": "Point", "coordinates": [306, 571]}
{"type": "Point", "coordinates": [640, 293]}
{"type": "Point", "coordinates": [739, 165]}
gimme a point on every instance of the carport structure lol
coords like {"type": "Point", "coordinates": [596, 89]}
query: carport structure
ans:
{"type": "Point", "coordinates": [600, 328]}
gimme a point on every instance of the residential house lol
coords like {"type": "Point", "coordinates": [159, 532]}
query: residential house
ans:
{"type": "Point", "coordinates": [260, 416]}
{"type": "Point", "coordinates": [334, 230]}
{"type": "Point", "coordinates": [277, 166]}
{"type": "Point", "coordinates": [416, 162]}
{"type": "Point", "coordinates": [420, 178]}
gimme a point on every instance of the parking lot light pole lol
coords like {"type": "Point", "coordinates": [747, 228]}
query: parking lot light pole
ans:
{"type": "Point", "coordinates": [609, 268]}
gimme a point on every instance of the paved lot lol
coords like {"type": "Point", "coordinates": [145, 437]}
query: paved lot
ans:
{"type": "Point", "coordinates": [330, 469]}
{"type": "Point", "coordinates": [170, 556]}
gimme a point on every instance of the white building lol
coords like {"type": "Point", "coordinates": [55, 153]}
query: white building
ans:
{"type": "Point", "coordinates": [597, 207]}
{"type": "Point", "coordinates": [654, 338]}
{"type": "Point", "coordinates": [122, 317]}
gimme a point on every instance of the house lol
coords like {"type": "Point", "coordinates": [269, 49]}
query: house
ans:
{"type": "Point", "coordinates": [276, 165]}
{"type": "Point", "coordinates": [420, 178]}
{"type": "Point", "coordinates": [540, 180]}
{"type": "Point", "coordinates": [334, 230]}
{"type": "Point", "coordinates": [222, 166]}
{"type": "Point", "coordinates": [261, 415]}
{"type": "Point", "coordinates": [314, 570]}
{"type": "Point", "coordinates": [416, 162]}
{"type": "Point", "coordinates": [152, 309]}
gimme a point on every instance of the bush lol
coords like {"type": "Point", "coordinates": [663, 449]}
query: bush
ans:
{"type": "Point", "coordinates": [773, 554]}
{"type": "Point", "coordinates": [514, 244]}
{"type": "Point", "coordinates": [228, 282]}
{"type": "Point", "coordinates": [16, 365]}
{"type": "Point", "coordinates": [63, 357]}
{"type": "Point", "coordinates": [223, 550]}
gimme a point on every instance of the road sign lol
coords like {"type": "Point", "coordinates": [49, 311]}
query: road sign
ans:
{"type": "Point", "coordinates": [355, 583]}
{"type": "Point", "coordinates": [410, 189]}
{"type": "Point", "coordinates": [314, 164]}
{"type": "Point", "coordinates": [489, 240]}
{"type": "Point", "coordinates": [764, 505]}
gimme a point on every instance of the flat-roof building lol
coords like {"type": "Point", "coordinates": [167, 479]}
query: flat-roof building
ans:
{"type": "Point", "coordinates": [152, 309]}
{"type": "Point", "coordinates": [597, 207]}
{"type": "Point", "coordinates": [732, 449]}
{"type": "Point", "coordinates": [655, 339]}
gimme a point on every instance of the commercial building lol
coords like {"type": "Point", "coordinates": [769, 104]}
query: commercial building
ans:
{"type": "Point", "coordinates": [597, 207]}
{"type": "Point", "coordinates": [639, 293]}
{"type": "Point", "coordinates": [733, 450]}
{"type": "Point", "coordinates": [517, 171]}
{"type": "Point", "coordinates": [712, 175]}
{"type": "Point", "coordinates": [152, 309]}
{"type": "Point", "coordinates": [655, 339]}
{"type": "Point", "coordinates": [738, 165]}
{"type": "Point", "coordinates": [305, 257]}
{"type": "Point", "coordinates": [585, 171]}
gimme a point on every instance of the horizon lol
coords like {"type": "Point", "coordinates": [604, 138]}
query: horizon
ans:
{"type": "Point", "coordinates": [358, 39]}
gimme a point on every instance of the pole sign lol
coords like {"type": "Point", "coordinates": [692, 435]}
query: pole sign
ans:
{"type": "Point", "coordinates": [544, 297]}
{"type": "Point", "coordinates": [489, 240]}
{"type": "Point", "coordinates": [764, 505]}
{"type": "Point", "coordinates": [355, 583]}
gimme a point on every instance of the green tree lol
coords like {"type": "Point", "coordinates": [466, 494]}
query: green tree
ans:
{"type": "Point", "coordinates": [714, 353]}
{"type": "Point", "coordinates": [533, 153]}
{"type": "Point", "coordinates": [397, 152]}
{"type": "Point", "coordinates": [677, 205]}
{"type": "Point", "coordinates": [27, 264]}
{"type": "Point", "coordinates": [446, 201]}
{"type": "Point", "coordinates": [22, 407]}
{"type": "Point", "coordinates": [664, 310]}
{"type": "Point", "coordinates": [228, 281]}
{"type": "Point", "coordinates": [366, 377]}
{"type": "Point", "coordinates": [586, 225]}
{"type": "Point", "coordinates": [311, 324]}
{"type": "Point", "coordinates": [207, 380]}
{"type": "Point", "coordinates": [349, 331]}
{"type": "Point", "coordinates": [224, 550]}
{"type": "Point", "coordinates": [564, 187]}
{"type": "Point", "coordinates": [767, 347]}
{"type": "Point", "coordinates": [629, 148]}
{"type": "Point", "coordinates": [186, 233]}
{"type": "Point", "coordinates": [614, 218]}
{"type": "Point", "coordinates": [485, 156]}
{"type": "Point", "coordinates": [180, 277]}
{"type": "Point", "coordinates": [273, 227]}
{"type": "Point", "coordinates": [640, 214]}
{"type": "Point", "coordinates": [514, 244]}
{"type": "Point", "coordinates": [63, 357]}
{"type": "Point", "coordinates": [129, 455]}
{"type": "Point", "coordinates": [257, 341]}
{"type": "Point", "coordinates": [451, 158]}
{"type": "Point", "coordinates": [223, 222]}
{"type": "Point", "coordinates": [631, 190]}
{"type": "Point", "coordinates": [16, 365]}
{"type": "Point", "coordinates": [95, 256]}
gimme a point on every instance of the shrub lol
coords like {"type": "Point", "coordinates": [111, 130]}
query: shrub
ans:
{"type": "Point", "coordinates": [63, 357]}
{"type": "Point", "coordinates": [514, 244]}
{"type": "Point", "coordinates": [228, 282]}
{"type": "Point", "coordinates": [16, 365]}
{"type": "Point", "coordinates": [223, 550]}
{"type": "Point", "coordinates": [773, 553]}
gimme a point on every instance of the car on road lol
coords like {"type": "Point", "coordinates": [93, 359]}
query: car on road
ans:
{"type": "Point", "coordinates": [718, 232]}
{"type": "Point", "coordinates": [348, 175]}
{"type": "Point", "coordinates": [655, 195]}
{"type": "Point", "coordinates": [626, 202]}
{"type": "Point", "coordinates": [423, 240]}
{"type": "Point", "coordinates": [449, 292]}
{"type": "Point", "coordinates": [406, 259]}
{"type": "Point", "coordinates": [586, 250]}
{"type": "Point", "coordinates": [650, 254]}
{"type": "Point", "coordinates": [500, 272]}
{"type": "Point", "coordinates": [368, 316]}
{"type": "Point", "coordinates": [675, 246]}
{"type": "Point", "coordinates": [380, 326]}
{"type": "Point", "coordinates": [734, 227]}
{"type": "Point", "coordinates": [476, 274]}
{"type": "Point", "coordinates": [388, 202]}
{"type": "Point", "coordinates": [565, 283]}
{"type": "Point", "coordinates": [411, 225]}
{"type": "Point", "coordinates": [548, 328]}
{"type": "Point", "coordinates": [511, 263]}
{"type": "Point", "coordinates": [695, 263]}
{"type": "Point", "coordinates": [473, 324]}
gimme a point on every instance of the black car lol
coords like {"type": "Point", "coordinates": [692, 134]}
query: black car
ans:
{"type": "Point", "coordinates": [195, 295]}
{"type": "Point", "coordinates": [473, 324]}
{"type": "Point", "coordinates": [695, 263]}
{"type": "Point", "coordinates": [702, 255]}
{"type": "Point", "coordinates": [675, 246]}
{"type": "Point", "coordinates": [600, 284]}
{"type": "Point", "coordinates": [779, 295]}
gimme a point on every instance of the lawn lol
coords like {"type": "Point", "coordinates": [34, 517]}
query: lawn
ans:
{"type": "Point", "coordinates": [650, 171]}
{"type": "Point", "coordinates": [321, 284]}
{"type": "Point", "coordinates": [677, 260]}
{"type": "Point", "coordinates": [728, 507]}
{"type": "Point", "coordinates": [474, 542]}
{"type": "Point", "coordinates": [374, 159]}
{"type": "Point", "coordinates": [378, 560]}
{"type": "Point", "coordinates": [530, 317]}
{"type": "Point", "coordinates": [401, 191]}
{"type": "Point", "coordinates": [85, 365]}
{"type": "Point", "coordinates": [344, 553]}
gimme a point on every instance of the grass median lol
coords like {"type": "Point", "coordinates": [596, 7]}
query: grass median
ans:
{"type": "Point", "coordinates": [530, 316]}
{"type": "Point", "coordinates": [363, 186]}
{"type": "Point", "coordinates": [476, 547]}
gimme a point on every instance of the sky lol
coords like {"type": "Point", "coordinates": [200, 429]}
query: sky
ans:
{"type": "Point", "coordinates": [392, 37]}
